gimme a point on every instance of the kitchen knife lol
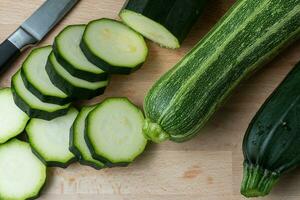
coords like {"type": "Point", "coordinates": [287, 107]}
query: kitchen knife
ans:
{"type": "Point", "coordinates": [33, 29]}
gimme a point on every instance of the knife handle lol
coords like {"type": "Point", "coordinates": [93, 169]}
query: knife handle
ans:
{"type": "Point", "coordinates": [8, 53]}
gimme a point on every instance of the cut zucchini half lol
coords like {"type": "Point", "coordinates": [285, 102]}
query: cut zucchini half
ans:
{"type": "Point", "coordinates": [68, 53]}
{"type": "Point", "coordinates": [75, 87]}
{"type": "Point", "coordinates": [22, 174]}
{"type": "Point", "coordinates": [49, 140]}
{"type": "Point", "coordinates": [166, 23]}
{"type": "Point", "coordinates": [33, 106]}
{"type": "Point", "coordinates": [114, 132]}
{"type": "Point", "coordinates": [12, 119]}
{"type": "Point", "coordinates": [150, 29]}
{"type": "Point", "coordinates": [113, 46]}
{"type": "Point", "coordinates": [77, 142]}
{"type": "Point", "coordinates": [37, 80]}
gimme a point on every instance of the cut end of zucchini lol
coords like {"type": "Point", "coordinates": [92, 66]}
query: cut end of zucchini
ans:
{"type": "Point", "coordinates": [12, 119]}
{"type": "Point", "coordinates": [113, 46]}
{"type": "Point", "coordinates": [257, 182]}
{"type": "Point", "coordinates": [114, 131]}
{"type": "Point", "coordinates": [22, 174]}
{"type": "Point", "coordinates": [154, 132]}
{"type": "Point", "coordinates": [150, 29]}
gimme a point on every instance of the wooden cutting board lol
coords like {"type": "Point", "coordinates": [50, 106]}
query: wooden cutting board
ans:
{"type": "Point", "coordinates": [209, 167]}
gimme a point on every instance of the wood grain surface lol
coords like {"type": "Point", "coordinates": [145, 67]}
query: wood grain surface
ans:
{"type": "Point", "coordinates": [209, 167]}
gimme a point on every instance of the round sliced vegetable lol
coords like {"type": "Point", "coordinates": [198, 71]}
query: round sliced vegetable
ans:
{"type": "Point", "coordinates": [68, 53]}
{"type": "Point", "coordinates": [77, 143]}
{"type": "Point", "coordinates": [37, 80]}
{"type": "Point", "coordinates": [12, 119]}
{"type": "Point", "coordinates": [22, 174]}
{"type": "Point", "coordinates": [113, 46]}
{"type": "Point", "coordinates": [114, 132]}
{"type": "Point", "coordinates": [49, 140]}
{"type": "Point", "coordinates": [75, 87]}
{"type": "Point", "coordinates": [33, 106]}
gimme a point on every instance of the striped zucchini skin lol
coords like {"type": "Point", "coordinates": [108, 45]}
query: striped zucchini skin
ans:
{"type": "Point", "coordinates": [249, 35]}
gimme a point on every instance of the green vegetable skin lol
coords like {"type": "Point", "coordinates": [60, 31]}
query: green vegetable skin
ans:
{"type": "Point", "coordinates": [249, 35]}
{"type": "Point", "coordinates": [271, 144]}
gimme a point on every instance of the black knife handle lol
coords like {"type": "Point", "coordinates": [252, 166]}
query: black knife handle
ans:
{"type": "Point", "coordinates": [8, 53]}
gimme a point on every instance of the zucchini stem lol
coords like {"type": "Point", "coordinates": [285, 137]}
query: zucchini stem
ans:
{"type": "Point", "coordinates": [154, 132]}
{"type": "Point", "coordinates": [257, 181]}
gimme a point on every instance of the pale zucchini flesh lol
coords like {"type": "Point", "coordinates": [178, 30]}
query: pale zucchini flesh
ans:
{"type": "Point", "coordinates": [114, 132]}
{"type": "Point", "coordinates": [22, 174]}
{"type": "Point", "coordinates": [50, 139]}
{"type": "Point", "coordinates": [150, 29]}
{"type": "Point", "coordinates": [68, 53]}
{"type": "Point", "coordinates": [77, 142]}
{"type": "Point", "coordinates": [12, 119]}
{"type": "Point", "coordinates": [31, 105]}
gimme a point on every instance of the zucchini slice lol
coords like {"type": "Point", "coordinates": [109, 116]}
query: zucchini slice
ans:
{"type": "Point", "coordinates": [33, 106]}
{"type": "Point", "coordinates": [114, 132]}
{"type": "Point", "coordinates": [113, 46]}
{"type": "Point", "coordinates": [49, 140]}
{"type": "Point", "coordinates": [37, 80]}
{"type": "Point", "coordinates": [167, 24]}
{"type": "Point", "coordinates": [68, 53]}
{"type": "Point", "coordinates": [75, 87]}
{"type": "Point", "coordinates": [77, 143]}
{"type": "Point", "coordinates": [22, 174]}
{"type": "Point", "coordinates": [12, 119]}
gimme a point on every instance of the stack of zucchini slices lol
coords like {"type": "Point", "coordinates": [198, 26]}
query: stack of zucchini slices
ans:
{"type": "Point", "coordinates": [77, 66]}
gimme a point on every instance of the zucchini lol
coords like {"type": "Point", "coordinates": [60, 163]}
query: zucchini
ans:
{"type": "Point", "coordinates": [13, 120]}
{"type": "Point", "coordinates": [36, 79]}
{"type": "Point", "coordinates": [272, 140]}
{"type": "Point", "coordinates": [75, 87]}
{"type": "Point", "coordinates": [167, 24]}
{"type": "Point", "coordinates": [22, 174]}
{"type": "Point", "coordinates": [113, 46]}
{"type": "Point", "coordinates": [77, 142]}
{"type": "Point", "coordinates": [33, 106]}
{"type": "Point", "coordinates": [248, 36]}
{"type": "Point", "coordinates": [114, 132]}
{"type": "Point", "coordinates": [49, 140]}
{"type": "Point", "coordinates": [68, 53]}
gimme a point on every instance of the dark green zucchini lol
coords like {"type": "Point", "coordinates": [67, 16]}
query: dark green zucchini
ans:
{"type": "Point", "coordinates": [272, 141]}
{"type": "Point", "coordinates": [250, 35]}
{"type": "Point", "coordinates": [165, 22]}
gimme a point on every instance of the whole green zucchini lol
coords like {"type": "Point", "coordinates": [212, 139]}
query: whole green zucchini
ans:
{"type": "Point", "coordinates": [272, 141]}
{"type": "Point", "coordinates": [250, 34]}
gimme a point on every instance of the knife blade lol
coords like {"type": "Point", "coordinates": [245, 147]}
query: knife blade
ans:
{"type": "Point", "coordinates": [34, 29]}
